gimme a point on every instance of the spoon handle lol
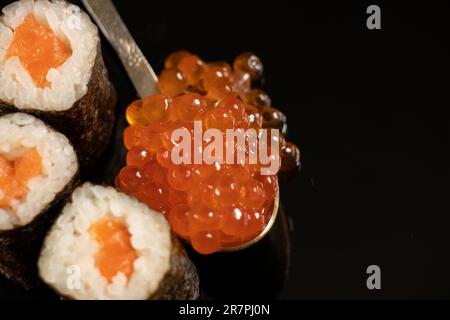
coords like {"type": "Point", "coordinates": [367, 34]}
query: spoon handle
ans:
{"type": "Point", "coordinates": [116, 32]}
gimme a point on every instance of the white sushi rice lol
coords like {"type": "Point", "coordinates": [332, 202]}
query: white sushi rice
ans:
{"type": "Point", "coordinates": [59, 165]}
{"type": "Point", "coordinates": [68, 259]}
{"type": "Point", "coordinates": [68, 82]}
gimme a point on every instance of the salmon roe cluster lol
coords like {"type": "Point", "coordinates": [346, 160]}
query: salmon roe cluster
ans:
{"type": "Point", "coordinates": [212, 206]}
{"type": "Point", "coordinates": [186, 72]}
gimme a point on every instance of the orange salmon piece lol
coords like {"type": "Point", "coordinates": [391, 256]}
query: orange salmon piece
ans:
{"type": "Point", "coordinates": [38, 49]}
{"type": "Point", "coordinates": [116, 253]}
{"type": "Point", "coordinates": [28, 166]}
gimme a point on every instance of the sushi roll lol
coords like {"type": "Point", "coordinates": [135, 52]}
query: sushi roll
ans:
{"type": "Point", "coordinates": [51, 66]}
{"type": "Point", "coordinates": [38, 170]}
{"type": "Point", "coordinates": [107, 245]}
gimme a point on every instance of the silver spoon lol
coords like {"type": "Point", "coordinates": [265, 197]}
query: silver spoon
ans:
{"type": "Point", "coordinates": [116, 32]}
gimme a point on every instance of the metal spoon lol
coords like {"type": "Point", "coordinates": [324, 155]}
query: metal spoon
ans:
{"type": "Point", "coordinates": [116, 32]}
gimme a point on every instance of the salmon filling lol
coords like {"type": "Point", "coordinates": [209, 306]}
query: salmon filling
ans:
{"type": "Point", "coordinates": [116, 253]}
{"type": "Point", "coordinates": [15, 174]}
{"type": "Point", "coordinates": [38, 50]}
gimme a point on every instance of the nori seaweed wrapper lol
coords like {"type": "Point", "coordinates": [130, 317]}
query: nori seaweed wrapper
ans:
{"type": "Point", "coordinates": [181, 282]}
{"type": "Point", "coordinates": [89, 123]}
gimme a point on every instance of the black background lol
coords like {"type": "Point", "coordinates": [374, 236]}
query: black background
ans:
{"type": "Point", "coordinates": [369, 112]}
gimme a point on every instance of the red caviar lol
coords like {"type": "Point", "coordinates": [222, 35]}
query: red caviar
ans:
{"type": "Point", "coordinates": [213, 206]}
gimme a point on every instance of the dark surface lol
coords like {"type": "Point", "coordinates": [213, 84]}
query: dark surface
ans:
{"type": "Point", "coordinates": [367, 108]}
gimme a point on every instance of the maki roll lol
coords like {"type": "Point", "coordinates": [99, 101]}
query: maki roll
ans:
{"type": "Point", "coordinates": [38, 169]}
{"type": "Point", "coordinates": [51, 66]}
{"type": "Point", "coordinates": [107, 245]}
